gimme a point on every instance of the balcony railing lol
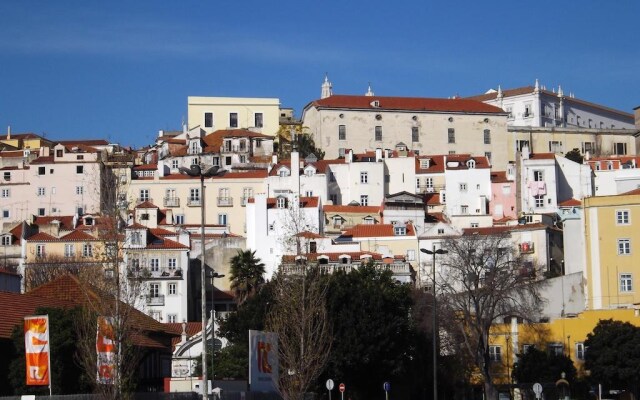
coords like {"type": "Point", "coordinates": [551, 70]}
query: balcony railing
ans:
{"type": "Point", "coordinates": [225, 201]}
{"type": "Point", "coordinates": [171, 202]}
{"type": "Point", "coordinates": [194, 202]}
{"type": "Point", "coordinates": [429, 189]}
{"type": "Point", "coordinates": [243, 201]}
{"type": "Point", "coordinates": [155, 300]}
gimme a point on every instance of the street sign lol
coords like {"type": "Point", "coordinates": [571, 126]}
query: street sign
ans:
{"type": "Point", "coordinates": [386, 386]}
{"type": "Point", "coordinates": [537, 389]}
{"type": "Point", "coordinates": [342, 387]}
{"type": "Point", "coordinates": [329, 384]}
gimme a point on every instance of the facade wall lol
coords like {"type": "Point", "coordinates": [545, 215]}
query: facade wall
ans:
{"type": "Point", "coordinates": [611, 247]}
{"type": "Point", "coordinates": [503, 200]}
{"type": "Point", "coordinates": [350, 186]}
{"type": "Point", "coordinates": [467, 188]}
{"type": "Point", "coordinates": [549, 202]}
{"type": "Point", "coordinates": [245, 108]}
{"type": "Point", "coordinates": [397, 127]}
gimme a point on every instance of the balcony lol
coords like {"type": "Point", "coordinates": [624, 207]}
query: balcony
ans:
{"type": "Point", "coordinates": [194, 201]}
{"type": "Point", "coordinates": [243, 201]}
{"type": "Point", "coordinates": [429, 189]}
{"type": "Point", "coordinates": [171, 202]}
{"type": "Point", "coordinates": [225, 201]}
{"type": "Point", "coordinates": [155, 300]}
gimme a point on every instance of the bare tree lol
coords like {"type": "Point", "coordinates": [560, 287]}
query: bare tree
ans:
{"type": "Point", "coordinates": [483, 280]}
{"type": "Point", "coordinates": [299, 317]}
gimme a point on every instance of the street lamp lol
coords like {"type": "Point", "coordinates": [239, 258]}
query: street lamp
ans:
{"type": "Point", "coordinates": [214, 275]}
{"type": "Point", "coordinates": [433, 252]}
{"type": "Point", "coordinates": [198, 171]}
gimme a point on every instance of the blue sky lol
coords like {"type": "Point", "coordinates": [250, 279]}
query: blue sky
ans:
{"type": "Point", "coordinates": [122, 70]}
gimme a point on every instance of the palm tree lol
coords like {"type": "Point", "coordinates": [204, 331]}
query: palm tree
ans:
{"type": "Point", "coordinates": [246, 275]}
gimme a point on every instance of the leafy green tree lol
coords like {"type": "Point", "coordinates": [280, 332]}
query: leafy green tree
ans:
{"type": "Point", "coordinates": [67, 377]}
{"type": "Point", "coordinates": [373, 331]}
{"type": "Point", "coordinates": [575, 156]}
{"type": "Point", "coordinates": [539, 366]}
{"type": "Point", "coordinates": [613, 355]}
{"type": "Point", "coordinates": [247, 274]}
{"type": "Point", "coordinates": [290, 135]}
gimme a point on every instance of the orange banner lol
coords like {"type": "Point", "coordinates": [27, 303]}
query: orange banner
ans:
{"type": "Point", "coordinates": [36, 344]}
{"type": "Point", "coordinates": [105, 349]}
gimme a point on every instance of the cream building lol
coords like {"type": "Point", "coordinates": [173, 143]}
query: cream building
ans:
{"type": "Point", "coordinates": [260, 115]}
{"type": "Point", "coordinates": [425, 125]}
{"type": "Point", "coordinates": [612, 238]}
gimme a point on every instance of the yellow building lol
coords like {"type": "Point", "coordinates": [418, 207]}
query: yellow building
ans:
{"type": "Point", "coordinates": [24, 141]}
{"type": "Point", "coordinates": [561, 336]}
{"type": "Point", "coordinates": [612, 270]}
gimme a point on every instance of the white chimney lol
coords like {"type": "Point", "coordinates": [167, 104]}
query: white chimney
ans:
{"type": "Point", "coordinates": [378, 154]}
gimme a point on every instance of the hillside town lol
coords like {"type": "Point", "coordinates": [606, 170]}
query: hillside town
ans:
{"type": "Point", "coordinates": [348, 181]}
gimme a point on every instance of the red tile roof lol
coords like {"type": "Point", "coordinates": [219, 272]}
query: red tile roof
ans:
{"type": "Point", "coordinates": [42, 160]}
{"type": "Point", "coordinates": [405, 103]}
{"type": "Point", "coordinates": [85, 142]}
{"type": "Point", "coordinates": [631, 192]}
{"type": "Point", "coordinates": [146, 205]}
{"type": "Point", "coordinates": [570, 203]}
{"type": "Point", "coordinates": [499, 177]}
{"type": "Point", "coordinates": [77, 236]}
{"type": "Point", "coordinates": [146, 167]}
{"type": "Point", "coordinates": [22, 305]}
{"type": "Point", "coordinates": [308, 235]}
{"type": "Point", "coordinates": [42, 237]}
{"type": "Point", "coordinates": [496, 230]}
{"type": "Point", "coordinates": [542, 156]}
{"type": "Point", "coordinates": [377, 230]}
{"type": "Point", "coordinates": [351, 209]}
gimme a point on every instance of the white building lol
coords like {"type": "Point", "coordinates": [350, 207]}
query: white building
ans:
{"type": "Point", "coordinates": [273, 225]}
{"type": "Point", "coordinates": [360, 179]}
{"type": "Point", "coordinates": [538, 107]}
{"type": "Point", "coordinates": [615, 174]}
{"type": "Point", "coordinates": [467, 190]}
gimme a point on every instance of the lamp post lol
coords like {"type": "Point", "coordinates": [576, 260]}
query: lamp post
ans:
{"type": "Point", "coordinates": [433, 252]}
{"type": "Point", "coordinates": [198, 171]}
{"type": "Point", "coordinates": [214, 275]}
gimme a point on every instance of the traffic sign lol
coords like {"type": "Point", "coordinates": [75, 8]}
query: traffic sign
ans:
{"type": "Point", "coordinates": [386, 386]}
{"type": "Point", "coordinates": [537, 389]}
{"type": "Point", "coordinates": [342, 387]}
{"type": "Point", "coordinates": [329, 384]}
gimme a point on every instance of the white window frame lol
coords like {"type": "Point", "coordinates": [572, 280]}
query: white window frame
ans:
{"type": "Point", "coordinates": [580, 351]}
{"type": "Point", "coordinates": [172, 263]}
{"type": "Point", "coordinates": [40, 250]}
{"type": "Point", "coordinates": [538, 201]}
{"type": "Point", "coordinates": [626, 282]}
{"type": "Point", "coordinates": [87, 250]}
{"type": "Point", "coordinates": [172, 289]}
{"type": "Point", "coordinates": [622, 217]}
{"type": "Point", "coordinates": [364, 177]}
{"type": "Point", "coordinates": [495, 353]}
{"type": "Point", "coordinates": [154, 265]}
{"type": "Point", "coordinates": [364, 200]}
{"type": "Point", "coordinates": [6, 193]}
{"type": "Point", "coordinates": [69, 250]}
{"type": "Point", "coordinates": [624, 247]}
{"type": "Point", "coordinates": [41, 191]}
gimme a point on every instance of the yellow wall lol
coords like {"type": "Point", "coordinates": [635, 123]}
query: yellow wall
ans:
{"type": "Point", "coordinates": [604, 265]}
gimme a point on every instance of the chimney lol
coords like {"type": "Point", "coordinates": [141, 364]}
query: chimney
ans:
{"type": "Point", "coordinates": [295, 170]}
{"type": "Point", "coordinates": [636, 114]}
{"type": "Point", "coordinates": [378, 154]}
{"type": "Point", "coordinates": [274, 159]}
{"type": "Point", "coordinates": [525, 153]}
{"type": "Point", "coordinates": [349, 157]}
{"type": "Point", "coordinates": [8, 132]}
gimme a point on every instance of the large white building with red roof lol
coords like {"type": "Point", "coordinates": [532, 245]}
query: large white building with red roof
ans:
{"type": "Point", "coordinates": [425, 125]}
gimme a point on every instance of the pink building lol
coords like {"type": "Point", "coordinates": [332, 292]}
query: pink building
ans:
{"type": "Point", "coordinates": [503, 196]}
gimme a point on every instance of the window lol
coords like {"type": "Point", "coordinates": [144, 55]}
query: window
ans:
{"type": "Point", "coordinates": [506, 189]}
{"type": "Point", "coordinates": [79, 169]}
{"type": "Point", "coordinates": [622, 217]}
{"type": "Point", "coordinates": [179, 219]}
{"type": "Point", "coordinates": [428, 182]}
{"type": "Point", "coordinates": [41, 212]}
{"type": "Point", "coordinates": [487, 136]}
{"type": "Point", "coordinates": [172, 318]}
{"type": "Point", "coordinates": [258, 120]}
{"type": "Point", "coordinates": [42, 170]}
{"type": "Point", "coordinates": [7, 176]}
{"type": "Point", "coordinates": [233, 120]}
{"type": "Point", "coordinates": [194, 194]}
{"type": "Point", "coordinates": [144, 194]}
{"type": "Point", "coordinates": [495, 353]}
{"type": "Point", "coordinates": [488, 155]}
{"type": "Point", "coordinates": [464, 209]}
{"type": "Point", "coordinates": [580, 350]}
{"type": "Point", "coordinates": [620, 149]}
{"type": "Point", "coordinates": [475, 225]}
{"type": "Point", "coordinates": [79, 189]}
{"type": "Point", "coordinates": [173, 288]}
{"type": "Point", "coordinates": [6, 240]}
{"type": "Point", "coordinates": [41, 191]}
{"type": "Point", "coordinates": [40, 250]}
{"type": "Point", "coordinates": [538, 201]}
{"type": "Point", "coordinates": [527, 110]}
{"type": "Point", "coordinates": [451, 135]}
{"type": "Point", "coordinates": [440, 231]}
{"type": "Point", "coordinates": [174, 164]}
{"type": "Point", "coordinates": [155, 265]}
{"type": "Point", "coordinates": [154, 290]}
{"type": "Point", "coordinates": [463, 187]}
{"type": "Point", "coordinates": [588, 147]}
{"type": "Point", "coordinates": [342, 132]}
{"type": "Point", "coordinates": [281, 202]}
{"type": "Point", "coordinates": [4, 193]}
{"type": "Point", "coordinates": [400, 230]}
{"type": "Point", "coordinates": [520, 144]}
{"type": "Point", "coordinates": [208, 120]}
{"type": "Point", "coordinates": [555, 146]}
{"type": "Point", "coordinates": [624, 246]}
{"type": "Point", "coordinates": [626, 284]}
{"type": "Point", "coordinates": [364, 177]}
{"type": "Point", "coordinates": [87, 250]}
{"type": "Point", "coordinates": [509, 110]}
{"type": "Point", "coordinates": [378, 133]}
{"type": "Point", "coordinates": [308, 193]}
{"type": "Point", "coordinates": [538, 175]}
{"type": "Point", "coordinates": [415, 134]}
{"type": "Point", "coordinates": [556, 349]}
{"type": "Point", "coordinates": [69, 250]}
{"type": "Point", "coordinates": [222, 219]}
{"type": "Point", "coordinates": [364, 200]}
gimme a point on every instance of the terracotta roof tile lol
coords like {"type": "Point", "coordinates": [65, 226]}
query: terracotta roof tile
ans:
{"type": "Point", "coordinates": [21, 306]}
{"type": "Point", "coordinates": [77, 236]}
{"type": "Point", "coordinates": [146, 205]}
{"type": "Point", "coordinates": [542, 156]}
{"type": "Point", "coordinates": [499, 177]}
{"type": "Point", "coordinates": [376, 230]}
{"type": "Point", "coordinates": [405, 103]}
{"type": "Point", "coordinates": [351, 209]}
{"type": "Point", "coordinates": [570, 203]}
